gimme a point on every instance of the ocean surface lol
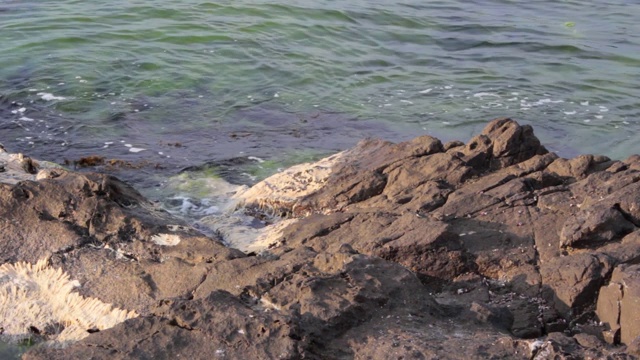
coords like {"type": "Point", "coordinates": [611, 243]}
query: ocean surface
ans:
{"type": "Point", "coordinates": [166, 85]}
{"type": "Point", "coordinates": [176, 94]}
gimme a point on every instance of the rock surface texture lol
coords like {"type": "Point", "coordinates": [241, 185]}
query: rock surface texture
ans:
{"type": "Point", "coordinates": [419, 250]}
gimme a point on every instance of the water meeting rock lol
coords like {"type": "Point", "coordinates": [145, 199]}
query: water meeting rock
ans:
{"type": "Point", "coordinates": [491, 249]}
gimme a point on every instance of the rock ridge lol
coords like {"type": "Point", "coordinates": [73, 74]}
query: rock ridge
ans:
{"type": "Point", "coordinates": [491, 249]}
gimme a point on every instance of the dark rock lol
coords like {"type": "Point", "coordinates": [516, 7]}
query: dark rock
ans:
{"type": "Point", "coordinates": [526, 324]}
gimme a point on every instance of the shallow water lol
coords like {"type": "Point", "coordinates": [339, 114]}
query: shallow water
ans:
{"type": "Point", "coordinates": [242, 88]}
{"type": "Point", "coordinates": [170, 85]}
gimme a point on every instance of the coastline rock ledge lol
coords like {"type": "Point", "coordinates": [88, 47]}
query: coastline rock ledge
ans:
{"type": "Point", "coordinates": [493, 249]}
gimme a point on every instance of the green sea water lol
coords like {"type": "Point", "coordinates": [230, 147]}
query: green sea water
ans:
{"type": "Point", "coordinates": [258, 85]}
{"type": "Point", "coordinates": [81, 77]}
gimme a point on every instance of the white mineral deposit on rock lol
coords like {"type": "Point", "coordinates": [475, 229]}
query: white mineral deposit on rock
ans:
{"type": "Point", "coordinates": [166, 239]}
{"type": "Point", "coordinates": [280, 192]}
{"type": "Point", "coordinates": [37, 296]}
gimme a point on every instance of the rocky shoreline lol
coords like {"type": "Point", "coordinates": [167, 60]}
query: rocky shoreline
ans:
{"type": "Point", "coordinates": [491, 249]}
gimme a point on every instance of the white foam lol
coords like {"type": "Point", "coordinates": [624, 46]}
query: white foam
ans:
{"type": "Point", "coordinates": [570, 112]}
{"type": "Point", "coordinates": [540, 102]}
{"type": "Point", "coordinates": [584, 103]}
{"type": "Point", "coordinates": [19, 111]}
{"type": "Point", "coordinates": [255, 158]}
{"type": "Point", "coordinates": [407, 102]}
{"type": "Point", "coordinates": [49, 97]}
{"type": "Point", "coordinates": [24, 118]}
{"type": "Point", "coordinates": [547, 101]}
{"type": "Point", "coordinates": [128, 145]}
{"type": "Point", "coordinates": [425, 91]}
{"type": "Point", "coordinates": [598, 117]}
{"type": "Point", "coordinates": [483, 94]}
{"type": "Point", "coordinates": [603, 109]}
{"type": "Point", "coordinates": [136, 150]}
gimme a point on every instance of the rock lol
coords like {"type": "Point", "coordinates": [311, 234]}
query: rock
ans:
{"type": "Point", "coordinates": [594, 224]}
{"type": "Point", "coordinates": [104, 237]}
{"type": "Point", "coordinates": [39, 301]}
{"type": "Point", "coordinates": [502, 143]}
{"type": "Point", "coordinates": [579, 167]}
{"type": "Point", "coordinates": [634, 347]}
{"type": "Point", "coordinates": [218, 326]}
{"type": "Point", "coordinates": [608, 308]}
{"type": "Point", "coordinates": [618, 303]}
{"type": "Point", "coordinates": [560, 346]}
{"type": "Point", "coordinates": [573, 281]}
{"type": "Point", "coordinates": [490, 249]}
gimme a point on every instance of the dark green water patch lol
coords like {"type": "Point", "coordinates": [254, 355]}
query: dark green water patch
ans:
{"type": "Point", "coordinates": [145, 74]}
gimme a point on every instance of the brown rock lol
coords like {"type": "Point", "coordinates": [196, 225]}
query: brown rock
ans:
{"type": "Point", "coordinates": [596, 224]}
{"type": "Point", "coordinates": [579, 167]}
{"type": "Point", "coordinates": [608, 306]}
{"type": "Point", "coordinates": [572, 281]}
{"type": "Point", "coordinates": [618, 302]}
{"type": "Point", "coordinates": [502, 143]}
{"type": "Point", "coordinates": [218, 326]}
{"type": "Point", "coordinates": [104, 234]}
{"type": "Point", "coordinates": [410, 250]}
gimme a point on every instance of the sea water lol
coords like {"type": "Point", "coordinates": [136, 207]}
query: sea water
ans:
{"type": "Point", "coordinates": [190, 92]}
{"type": "Point", "coordinates": [176, 95]}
